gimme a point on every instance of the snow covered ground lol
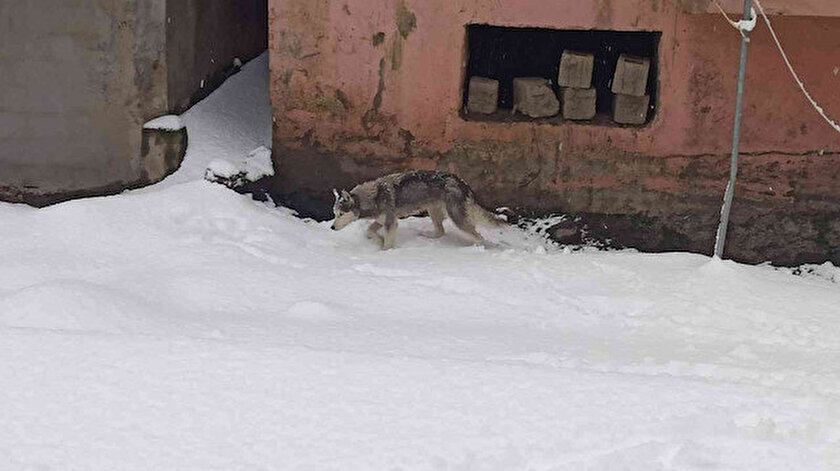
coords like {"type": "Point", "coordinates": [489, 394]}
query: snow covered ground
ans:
{"type": "Point", "coordinates": [186, 327]}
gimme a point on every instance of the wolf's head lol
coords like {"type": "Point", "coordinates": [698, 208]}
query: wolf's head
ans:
{"type": "Point", "coordinates": [345, 210]}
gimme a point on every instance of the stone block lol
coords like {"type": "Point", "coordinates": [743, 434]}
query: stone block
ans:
{"type": "Point", "coordinates": [533, 96]}
{"type": "Point", "coordinates": [483, 95]}
{"type": "Point", "coordinates": [579, 103]}
{"type": "Point", "coordinates": [161, 152]}
{"type": "Point", "coordinates": [629, 109]}
{"type": "Point", "coordinates": [575, 69]}
{"type": "Point", "coordinates": [631, 75]}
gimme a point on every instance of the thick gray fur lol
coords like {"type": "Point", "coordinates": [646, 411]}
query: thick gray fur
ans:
{"type": "Point", "coordinates": [389, 198]}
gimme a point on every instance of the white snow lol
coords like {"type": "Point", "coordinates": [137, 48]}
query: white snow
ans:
{"type": "Point", "coordinates": [252, 167]}
{"type": "Point", "coordinates": [168, 122]}
{"type": "Point", "coordinates": [258, 164]}
{"type": "Point", "coordinates": [186, 327]}
{"type": "Point", "coordinates": [221, 168]}
{"type": "Point", "coordinates": [233, 122]}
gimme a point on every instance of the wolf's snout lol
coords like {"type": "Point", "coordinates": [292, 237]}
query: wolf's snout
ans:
{"type": "Point", "coordinates": [333, 227]}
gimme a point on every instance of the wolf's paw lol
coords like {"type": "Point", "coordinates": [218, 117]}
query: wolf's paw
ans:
{"type": "Point", "coordinates": [379, 239]}
{"type": "Point", "coordinates": [431, 235]}
{"type": "Point", "coordinates": [489, 245]}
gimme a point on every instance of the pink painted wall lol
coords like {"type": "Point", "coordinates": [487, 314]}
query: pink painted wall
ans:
{"type": "Point", "coordinates": [776, 7]}
{"type": "Point", "coordinates": [338, 119]}
{"type": "Point", "coordinates": [698, 65]}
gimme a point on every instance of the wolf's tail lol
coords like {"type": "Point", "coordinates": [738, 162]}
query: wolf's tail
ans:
{"type": "Point", "coordinates": [501, 217]}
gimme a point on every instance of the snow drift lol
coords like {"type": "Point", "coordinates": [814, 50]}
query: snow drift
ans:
{"type": "Point", "coordinates": [184, 326]}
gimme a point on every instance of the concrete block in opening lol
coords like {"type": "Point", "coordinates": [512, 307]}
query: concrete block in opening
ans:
{"type": "Point", "coordinates": [579, 103]}
{"type": "Point", "coordinates": [541, 52]}
{"type": "Point", "coordinates": [631, 75]}
{"type": "Point", "coordinates": [533, 96]}
{"type": "Point", "coordinates": [576, 69]}
{"type": "Point", "coordinates": [630, 109]}
{"type": "Point", "coordinates": [483, 95]}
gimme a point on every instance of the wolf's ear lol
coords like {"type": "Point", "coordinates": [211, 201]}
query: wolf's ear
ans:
{"type": "Point", "coordinates": [346, 195]}
{"type": "Point", "coordinates": [335, 193]}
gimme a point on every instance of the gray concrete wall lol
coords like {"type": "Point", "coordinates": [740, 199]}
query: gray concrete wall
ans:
{"type": "Point", "coordinates": [203, 38]}
{"type": "Point", "coordinates": [78, 78]}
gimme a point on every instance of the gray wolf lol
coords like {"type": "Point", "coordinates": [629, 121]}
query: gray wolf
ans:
{"type": "Point", "coordinates": [399, 195]}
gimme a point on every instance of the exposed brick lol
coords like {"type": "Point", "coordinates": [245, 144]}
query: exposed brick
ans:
{"type": "Point", "coordinates": [483, 95]}
{"type": "Point", "coordinates": [532, 96]}
{"type": "Point", "coordinates": [575, 69]}
{"type": "Point", "coordinates": [631, 75]}
{"type": "Point", "coordinates": [629, 109]}
{"type": "Point", "coordinates": [579, 103]}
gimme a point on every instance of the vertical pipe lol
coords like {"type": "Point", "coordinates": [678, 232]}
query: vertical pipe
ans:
{"type": "Point", "coordinates": [720, 240]}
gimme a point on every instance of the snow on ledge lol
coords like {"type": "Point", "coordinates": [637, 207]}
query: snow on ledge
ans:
{"type": "Point", "coordinates": [168, 122]}
{"type": "Point", "coordinates": [220, 168]}
{"type": "Point", "coordinates": [256, 165]}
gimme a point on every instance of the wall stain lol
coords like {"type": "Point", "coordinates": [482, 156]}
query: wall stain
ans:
{"type": "Point", "coordinates": [370, 116]}
{"type": "Point", "coordinates": [603, 16]}
{"type": "Point", "coordinates": [286, 76]}
{"type": "Point", "coordinates": [396, 52]}
{"type": "Point", "coordinates": [406, 21]}
{"type": "Point", "coordinates": [342, 97]}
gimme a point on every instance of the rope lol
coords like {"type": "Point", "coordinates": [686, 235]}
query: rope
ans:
{"type": "Point", "coordinates": [793, 72]}
{"type": "Point", "coordinates": [744, 26]}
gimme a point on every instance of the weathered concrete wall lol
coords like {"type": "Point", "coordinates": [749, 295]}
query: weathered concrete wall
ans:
{"type": "Point", "coordinates": [79, 78]}
{"type": "Point", "coordinates": [203, 38]}
{"type": "Point", "coordinates": [363, 88]}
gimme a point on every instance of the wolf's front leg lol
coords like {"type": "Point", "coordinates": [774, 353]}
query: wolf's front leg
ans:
{"type": "Point", "coordinates": [373, 230]}
{"type": "Point", "coordinates": [373, 233]}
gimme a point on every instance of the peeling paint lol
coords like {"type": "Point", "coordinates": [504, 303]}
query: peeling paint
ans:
{"type": "Point", "coordinates": [377, 39]}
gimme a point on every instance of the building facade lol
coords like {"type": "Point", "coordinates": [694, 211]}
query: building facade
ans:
{"type": "Point", "coordinates": [366, 87]}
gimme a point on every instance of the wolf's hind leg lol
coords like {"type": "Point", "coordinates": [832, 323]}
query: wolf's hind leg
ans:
{"type": "Point", "coordinates": [437, 215]}
{"type": "Point", "coordinates": [390, 232]}
{"type": "Point", "coordinates": [459, 215]}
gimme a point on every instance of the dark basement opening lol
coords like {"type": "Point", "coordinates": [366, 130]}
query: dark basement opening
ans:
{"type": "Point", "coordinates": [503, 53]}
